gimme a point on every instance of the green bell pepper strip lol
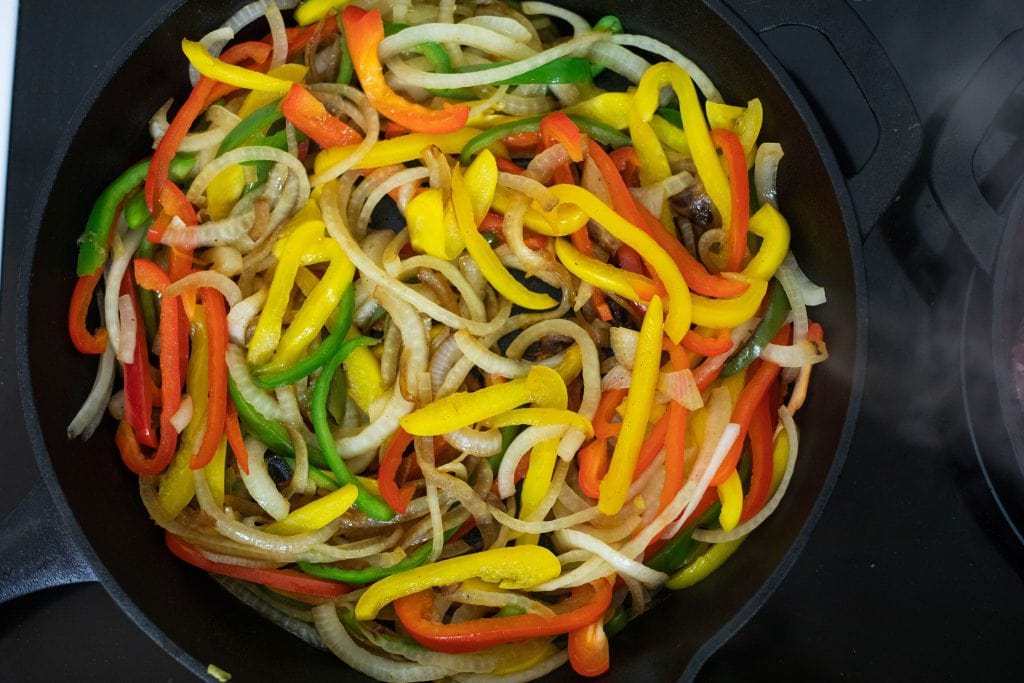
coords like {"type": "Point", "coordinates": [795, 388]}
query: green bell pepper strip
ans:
{"type": "Point", "coordinates": [136, 214]}
{"type": "Point", "coordinates": [319, 477]}
{"type": "Point", "coordinates": [617, 622]}
{"type": "Point", "coordinates": [371, 574]}
{"type": "Point", "coordinates": [556, 72]}
{"type": "Point", "coordinates": [251, 127]}
{"type": "Point", "coordinates": [337, 397]}
{"type": "Point", "coordinates": [345, 68]}
{"type": "Point", "coordinates": [774, 316]}
{"type": "Point", "coordinates": [304, 367]}
{"type": "Point", "coordinates": [679, 549]}
{"type": "Point", "coordinates": [92, 252]}
{"type": "Point", "coordinates": [596, 130]}
{"type": "Point", "coordinates": [439, 60]}
{"type": "Point", "coordinates": [273, 434]}
{"type": "Point", "coordinates": [507, 435]}
{"type": "Point", "coordinates": [611, 24]}
{"type": "Point", "coordinates": [369, 503]}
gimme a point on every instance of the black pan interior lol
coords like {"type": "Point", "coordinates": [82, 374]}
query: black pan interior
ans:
{"type": "Point", "coordinates": [185, 610]}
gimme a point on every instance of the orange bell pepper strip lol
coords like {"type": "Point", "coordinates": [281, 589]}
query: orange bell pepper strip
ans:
{"type": "Point", "coordinates": [310, 116]}
{"type": "Point", "coordinates": [610, 400]}
{"type": "Point", "coordinates": [397, 498]}
{"type": "Point", "coordinates": [708, 346]}
{"type": "Point", "coordinates": [697, 277]}
{"type": "Point", "coordinates": [216, 408]}
{"type": "Point", "coordinates": [755, 389]}
{"type": "Point", "coordinates": [739, 217]}
{"type": "Point", "coordinates": [628, 164]}
{"type": "Point", "coordinates": [675, 433]}
{"type": "Point", "coordinates": [652, 445]}
{"type": "Point", "coordinates": [233, 432]}
{"type": "Point", "coordinates": [558, 127]}
{"type": "Point", "coordinates": [588, 650]}
{"type": "Point", "coordinates": [592, 461]}
{"type": "Point", "coordinates": [364, 32]}
{"type": "Point", "coordinates": [584, 606]}
{"type": "Point", "coordinates": [85, 341]}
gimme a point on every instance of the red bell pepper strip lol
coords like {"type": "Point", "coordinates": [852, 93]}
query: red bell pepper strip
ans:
{"type": "Point", "coordinates": [558, 127]}
{"type": "Point", "coordinates": [763, 377]}
{"type": "Point", "coordinates": [310, 116]}
{"type": "Point", "coordinates": [233, 432]}
{"type": "Point", "coordinates": [509, 166]}
{"type": "Point", "coordinates": [495, 223]}
{"type": "Point", "coordinates": [610, 400]}
{"type": "Point", "coordinates": [397, 498]}
{"type": "Point", "coordinates": [739, 184]}
{"type": "Point", "coordinates": [138, 401]}
{"type": "Point", "coordinates": [592, 460]}
{"type": "Point", "coordinates": [696, 276]}
{"type": "Point", "coordinates": [708, 346]}
{"type": "Point", "coordinates": [298, 38]}
{"type": "Point", "coordinates": [149, 276]}
{"type": "Point", "coordinates": [289, 580]}
{"type": "Point", "coordinates": [216, 408]}
{"type": "Point", "coordinates": [675, 433]}
{"type": "Point", "coordinates": [586, 605]}
{"type": "Point", "coordinates": [526, 141]}
{"type": "Point", "coordinates": [85, 341]}
{"type": "Point", "coordinates": [364, 31]}
{"type": "Point", "coordinates": [652, 445]}
{"type": "Point", "coordinates": [628, 164]}
{"type": "Point", "coordinates": [761, 459]}
{"type": "Point", "coordinates": [588, 650]}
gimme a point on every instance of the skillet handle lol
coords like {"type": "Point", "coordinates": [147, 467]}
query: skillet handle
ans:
{"type": "Point", "coordinates": [36, 551]}
{"type": "Point", "coordinates": [953, 180]}
{"type": "Point", "coordinates": [875, 185]}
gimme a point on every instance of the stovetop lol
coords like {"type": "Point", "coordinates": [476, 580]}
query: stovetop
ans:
{"type": "Point", "coordinates": [911, 571]}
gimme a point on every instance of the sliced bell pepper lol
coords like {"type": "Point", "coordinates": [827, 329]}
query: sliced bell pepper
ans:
{"type": "Point", "coordinates": [703, 566]}
{"type": "Point", "coordinates": [233, 433]}
{"type": "Point", "coordinates": [728, 313]}
{"type": "Point", "coordinates": [588, 650]}
{"type": "Point", "coordinates": [768, 224]}
{"type": "Point", "coordinates": [312, 11]}
{"type": "Point", "coordinates": [541, 416]}
{"type": "Point", "coordinates": [594, 129]}
{"type": "Point", "coordinates": [310, 116]}
{"type": "Point", "coordinates": [639, 400]}
{"type": "Point", "coordinates": [315, 514]}
{"type": "Point", "coordinates": [230, 74]}
{"type": "Point", "coordinates": [217, 334]}
{"type": "Point", "coordinates": [81, 298]}
{"type": "Point", "coordinates": [761, 459]}
{"type": "Point", "coordinates": [730, 494]}
{"type": "Point", "coordinates": [138, 400]}
{"type": "Point", "coordinates": [739, 186]}
{"type": "Point", "coordinates": [558, 127]}
{"type": "Point", "coordinates": [432, 227]}
{"type": "Point", "coordinates": [397, 498]}
{"type": "Point", "coordinates": [251, 127]}
{"type": "Point", "coordinates": [363, 32]}
{"type": "Point", "coordinates": [280, 579]}
{"type": "Point", "coordinates": [592, 460]}
{"type": "Point", "coordinates": [519, 567]}
{"type": "Point", "coordinates": [604, 275]}
{"type": "Point", "coordinates": [584, 606]}
{"type": "Point", "coordinates": [536, 483]}
{"type": "Point", "coordinates": [774, 316]}
{"type": "Point", "coordinates": [399, 150]}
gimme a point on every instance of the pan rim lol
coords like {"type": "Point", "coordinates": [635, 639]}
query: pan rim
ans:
{"type": "Point", "coordinates": [857, 377]}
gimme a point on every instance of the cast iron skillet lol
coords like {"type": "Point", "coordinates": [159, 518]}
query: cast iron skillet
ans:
{"type": "Point", "coordinates": [993, 231]}
{"type": "Point", "coordinates": [197, 622]}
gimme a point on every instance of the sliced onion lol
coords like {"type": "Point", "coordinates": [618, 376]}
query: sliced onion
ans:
{"type": "Point", "coordinates": [237, 561]}
{"type": "Point", "coordinates": [534, 672]}
{"type": "Point", "coordinates": [470, 298]}
{"type": "Point", "coordinates": [337, 639]}
{"type": "Point", "coordinates": [260, 400]}
{"type": "Point", "coordinates": [655, 46]}
{"type": "Point", "coordinates": [719, 536]}
{"type": "Point", "coordinates": [486, 359]}
{"type": "Point", "coordinates": [89, 416]}
{"type": "Point", "coordinates": [813, 295]}
{"type": "Point", "coordinates": [624, 565]}
{"type": "Point", "coordinates": [806, 352]}
{"type": "Point", "coordinates": [183, 415]}
{"type": "Point", "coordinates": [224, 259]}
{"type": "Point", "coordinates": [122, 252]}
{"type": "Point", "coordinates": [506, 26]}
{"type": "Point", "coordinates": [619, 377]}
{"type": "Point", "coordinates": [464, 33]}
{"type": "Point", "coordinates": [279, 38]}
{"type": "Point", "coordinates": [520, 446]}
{"type": "Point", "coordinates": [376, 432]}
{"type": "Point", "coordinates": [396, 180]}
{"type": "Point", "coordinates": [244, 154]}
{"type": "Point", "coordinates": [158, 122]}
{"type": "Point", "coordinates": [721, 449]}
{"type": "Point", "coordinates": [679, 386]}
{"type": "Point", "coordinates": [533, 189]}
{"type": "Point", "coordinates": [482, 444]}
{"type": "Point", "coordinates": [231, 230]}
{"type": "Point", "coordinates": [547, 526]}
{"type": "Point", "coordinates": [259, 483]}
{"type": "Point", "coordinates": [623, 341]}
{"type": "Point", "coordinates": [766, 170]}
{"type": "Point", "coordinates": [370, 136]}
{"type": "Point", "coordinates": [126, 314]}
{"type": "Point", "coordinates": [207, 278]}
{"type": "Point", "coordinates": [622, 61]}
{"type": "Point", "coordinates": [425, 79]}
{"type": "Point", "coordinates": [243, 313]}
{"type": "Point", "coordinates": [579, 24]}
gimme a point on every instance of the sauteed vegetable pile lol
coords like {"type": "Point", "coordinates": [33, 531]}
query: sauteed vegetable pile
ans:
{"type": "Point", "coordinates": [446, 333]}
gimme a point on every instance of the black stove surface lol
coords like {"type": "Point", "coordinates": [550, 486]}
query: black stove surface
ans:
{"type": "Point", "coordinates": [911, 572]}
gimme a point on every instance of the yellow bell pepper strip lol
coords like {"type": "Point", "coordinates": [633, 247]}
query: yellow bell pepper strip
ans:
{"type": "Point", "coordinates": [256, 99]}
{"type": "Point", "coordinates": [542, 386]}
{"type": "Point", "coordinates": [703, 566]}
{"type": "Point", "coordinates": [316, 309]}
{"type": "Point", "coordinates": [177, 485]}
{"type": "Point", "coordinates": [289, 250]}
{"type": "Point", "coordinates": [432, 228]}
{"type": "Point", "coordinates": [564, 220]}
{"type": "Point", "coordinates": [365, 383]}
{"type": "Point", "coordinates": [312, 11]}
{"type": "Point", "coordinates": [719, 313]}
{"type": "Point", "coordinates": [745, 122]}
{"type": "Point", "coordinates": [238, 76]}
{"type": "Point", "coordinates": [224, 190]}
{"type": "Point", "coordinates": [536, 483]}
{"type": "Point", "coordinates": [571, 365]}
{"type": "Point", "coordinates": [653, 164]}
{"type": "Point", "coordinates": [364, 32]}
{"type": "Point", "coordinates": [541, 417]}
{"type": "Point", "coordinates": [721, 115]}
{"type": "Point", "coordinates": [518, 568]}
{"type": "Point", "coordinates": [316, 514]}
{"type": "Point", "coordinates": [678, 320]}
{"type": "Point", "coordinates": [488, 262]}
{"type": "Point", "coordinates": [604, 275]}
{"type": "Point", "coordinates": [770, 225]}
{"type": "Point", "coordinates": [780, 456]}
{"type": "Point", "coordinates": [670, 135]}
{"type": "Point", "coordinates": [730, 494]}
{"type": "Point", "coordinates": [639, 400]}
{"type": "Point", "coordinates": [399, 150]}
{"type": "Point", "coordinates": [418, 615]}
{"type": "Point", "coordinates": [215, 473]}
{"type": "Point", "coordinates": [481, 182]}
{"type": "Point", "coordinates": [308, 114]}
{"type": "Point", "coordinates": [609, 108]}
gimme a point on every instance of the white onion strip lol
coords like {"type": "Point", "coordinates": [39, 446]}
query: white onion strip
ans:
{"type": "Point", "coordinates": [207, 278]}
{"type": "Point", "coordinates": [487, 360]}
{"type": "Point", "coordinates": [766, 171]}
{"type": "Point", "coordinates": [183, 415]}
{"type": "Point", "coordinates": [90, 414]}
{"type": "Point", "coordinates": [259, 484]}
{"type": "Point", "coordinates": [243, 313]}
{"type": "Point", "coordinates": [129, 323]}
{"type": "Point", "coordinates": [465, 34]}
{"type": "Point", "coordinates": [243, 154]}
{"type": "Point", "coordinates": [624, 565]}
{"type": "Point", "coordinates": [799, 355]}
{"type": "Point", "coordinates": [122, 252]}
{"type": "Point", "coordinates": [655, 46]}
